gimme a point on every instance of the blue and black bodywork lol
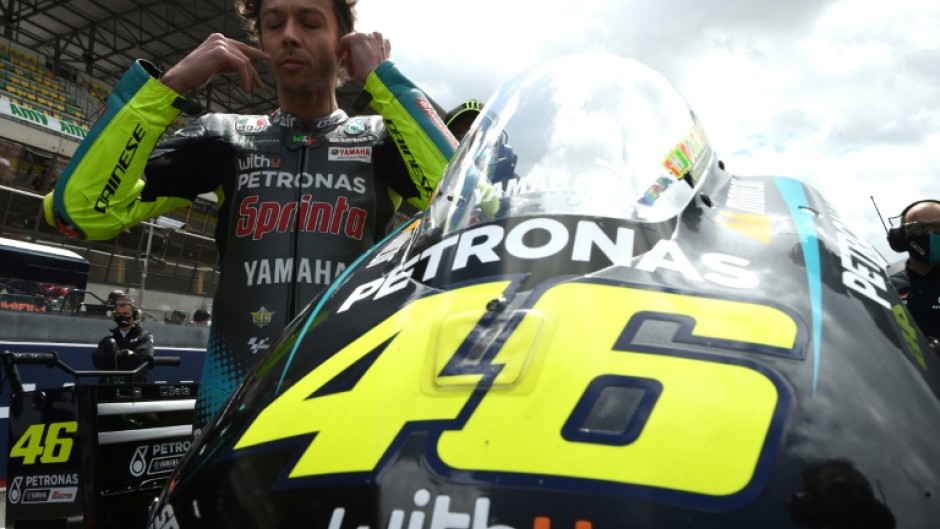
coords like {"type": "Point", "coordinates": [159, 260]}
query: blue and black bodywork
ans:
{"type": "Point", "coordinates": [621, 333]}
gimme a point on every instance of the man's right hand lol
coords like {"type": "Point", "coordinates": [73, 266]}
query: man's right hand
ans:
{"type": "Point", "coordinates": [217, 54]}
{"type": "Point", "coordinates": [108, 345]}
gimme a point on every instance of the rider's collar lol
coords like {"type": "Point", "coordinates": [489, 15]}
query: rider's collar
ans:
{"type": "Point", "coordinates": [285, 119]}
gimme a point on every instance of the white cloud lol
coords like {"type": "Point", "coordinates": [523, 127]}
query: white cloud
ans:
{"type": "Point", "coordinates": [840, 93]}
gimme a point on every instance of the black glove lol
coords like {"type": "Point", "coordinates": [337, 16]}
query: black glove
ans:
{"type": "Point", "coordinates": [105, 356]}
{"type": "Point", "coordinates": [108, 346]}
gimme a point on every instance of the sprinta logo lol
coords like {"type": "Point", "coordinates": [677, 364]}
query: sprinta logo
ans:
{"type": "Point", "coordinates": [438, 515]}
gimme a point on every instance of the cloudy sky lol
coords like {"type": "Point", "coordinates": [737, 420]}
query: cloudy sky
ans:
{"type": "Point", "coordinates": [841, 94]}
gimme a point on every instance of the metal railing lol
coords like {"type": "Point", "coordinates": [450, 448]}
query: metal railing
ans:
{"type": "Point", "coordinates": [151, 254]}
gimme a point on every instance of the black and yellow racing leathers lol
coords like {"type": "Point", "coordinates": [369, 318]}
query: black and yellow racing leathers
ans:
{"type": "Point", "coordinates": [297, 205]}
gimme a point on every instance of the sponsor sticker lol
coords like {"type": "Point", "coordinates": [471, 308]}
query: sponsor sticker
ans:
{"type": "Point", "coordinates": [261, 317]}
{"type": "Point", "coordinates": [43, 489]}
{"type": "Point", "coordinates": [165, 518]}
{"type": "Point", "coordinates": [251, 125]}
{"type": "Point", "coordinates": [258, 161]}
{"type": "Point", "coordinates": [157, 458]}
{"type": "Point", "coordinates": [354, 154]}
{"type": "Point", "coordinates": [258, 345]}
{"type": "Point", "coordinates": [355, 127]}
{"type": "Point", "coordinates": [653, 193]}
{"type": "Point", "coordinates": [439, 509]}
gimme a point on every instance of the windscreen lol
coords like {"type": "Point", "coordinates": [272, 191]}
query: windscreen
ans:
{"type": "Point", "coordinates": [587, 134]}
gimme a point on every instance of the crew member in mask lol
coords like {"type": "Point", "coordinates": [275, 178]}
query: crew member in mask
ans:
{"type": "Point", "coordinates": [919, 281]}
{"type": "Point", "coordinates": [127, 347]}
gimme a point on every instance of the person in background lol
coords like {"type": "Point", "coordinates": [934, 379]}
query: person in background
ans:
{"type": "Point", "coordinates": [202, 318]}
{"type": "Point", "coordinates": [127, 347]}
{"type": "Point", "coordinates": [177, 317]}
{"type": "Point", "coordinates": [459, 119]}
{"type": "Point", "coordinates": [114, 296]}
{"type": "Point", "coordinates": [918, 282]}
{"type": "Point", "coordinates": [6, 172]}
{"type": "Point", "coordinates": [306, 189]}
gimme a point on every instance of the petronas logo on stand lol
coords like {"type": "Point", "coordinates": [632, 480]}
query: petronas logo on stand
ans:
{"type": "Point", "coordinates": [139, 462]}
{"type": "Point", "coordinates": [15, 492]}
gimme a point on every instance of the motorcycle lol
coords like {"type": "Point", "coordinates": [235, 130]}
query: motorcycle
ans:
{"type": "Point", "coordinates": [594, 325]}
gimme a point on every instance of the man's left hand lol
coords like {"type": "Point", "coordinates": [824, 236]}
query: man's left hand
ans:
{"type": "Point", "coordinates": [363, 53]}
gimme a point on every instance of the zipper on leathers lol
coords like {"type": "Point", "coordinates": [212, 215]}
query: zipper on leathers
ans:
{"type": "Point", "coordinates": [295, 243]}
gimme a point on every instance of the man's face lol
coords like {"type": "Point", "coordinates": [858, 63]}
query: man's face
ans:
{"type": "Point", "coordinates": [301, 37]}
{"type": "Point", "coordinates": [922, 233]}
{"type": "Point", "coordinates": [124, 311]}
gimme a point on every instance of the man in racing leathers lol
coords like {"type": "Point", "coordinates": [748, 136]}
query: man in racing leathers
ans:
{"type": "Point", "coordinates": [303, 191]}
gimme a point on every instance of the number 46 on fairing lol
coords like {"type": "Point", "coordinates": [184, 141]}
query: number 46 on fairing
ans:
{"type": "Point", "coordinates": [528, 407]}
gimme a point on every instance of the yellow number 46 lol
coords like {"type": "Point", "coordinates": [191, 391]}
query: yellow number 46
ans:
{"type": "Point", "coordinates": [51, 445]}
{"type": "Point", "coordinates": [526, 401]}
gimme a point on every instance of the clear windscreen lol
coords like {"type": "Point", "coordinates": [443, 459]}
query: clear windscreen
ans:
{"type": "Point", "coordinates": [589, 134]}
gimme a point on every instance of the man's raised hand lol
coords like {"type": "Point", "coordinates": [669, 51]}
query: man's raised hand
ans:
{"type": "Point", "coordinates": [217, 54]}
{"type": "Point", "coordinates": [363, 53]}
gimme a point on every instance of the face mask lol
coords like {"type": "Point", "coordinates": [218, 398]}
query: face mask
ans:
{"type": "Point", "coordinates": [925, 248]}
{"type": "Point", "coordinates": [122, 321]}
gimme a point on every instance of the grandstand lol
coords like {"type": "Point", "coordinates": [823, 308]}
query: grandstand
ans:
{"type": "Point", "coordinates": [58, 62]}
{"type": "Point", "coordinates": [44, 117]}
